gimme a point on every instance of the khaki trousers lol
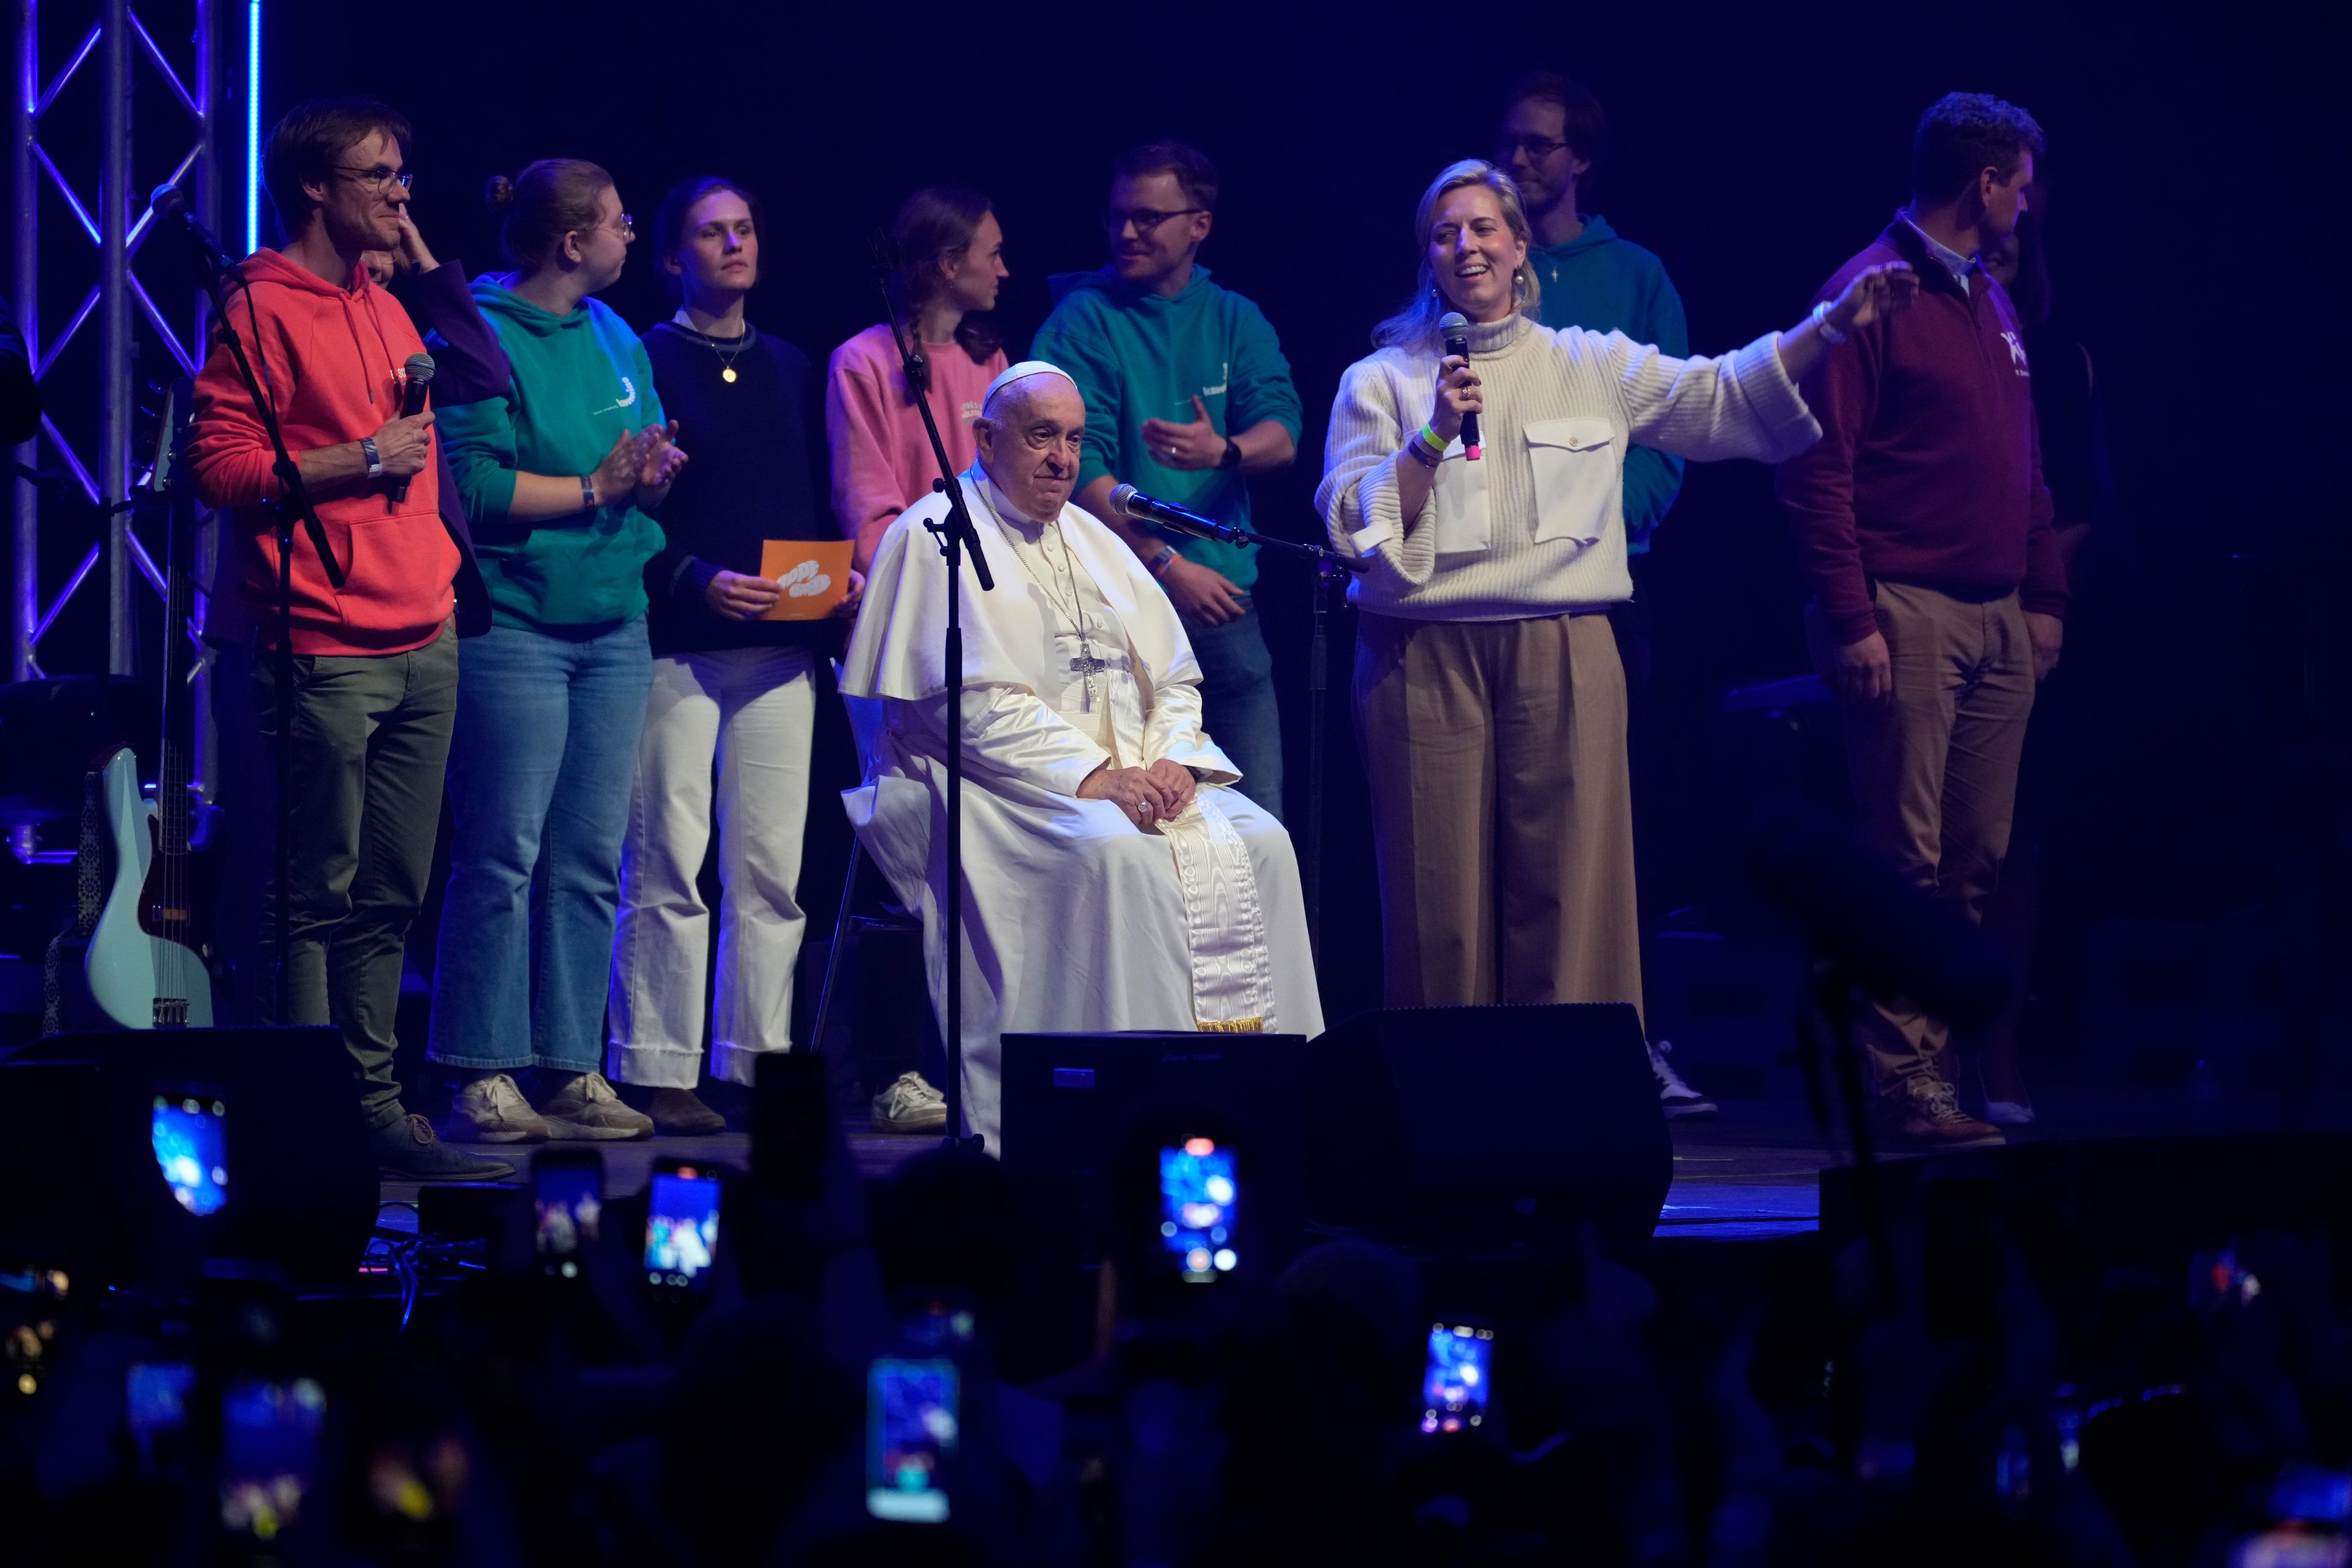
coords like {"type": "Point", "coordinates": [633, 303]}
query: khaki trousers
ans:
{"type": "Point", "coordinates": [1502, 817]}
{"type": "Point", "coordinates": [1934, 774]}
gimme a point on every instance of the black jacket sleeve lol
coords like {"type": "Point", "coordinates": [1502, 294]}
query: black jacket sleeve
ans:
{"type": "Point", "coordinates": [469, 364]}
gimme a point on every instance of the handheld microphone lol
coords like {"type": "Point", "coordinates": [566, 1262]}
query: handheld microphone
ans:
{"type": "Point", "coordinates": [1130, 502]}
{"type": "Point", "coordinates": [1456, 327]}
{"type": "Point", "coordinates": [412, 402]}
{"type": "Point", "coordinates": [175, 205]}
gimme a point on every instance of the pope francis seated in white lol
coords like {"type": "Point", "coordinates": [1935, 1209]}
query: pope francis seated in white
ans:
{"type": "Point", "coordinates": [1115, 877]}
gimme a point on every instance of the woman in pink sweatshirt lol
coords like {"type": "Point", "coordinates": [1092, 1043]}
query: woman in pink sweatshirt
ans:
{"type": "Point", "coordinates": [951, 260]}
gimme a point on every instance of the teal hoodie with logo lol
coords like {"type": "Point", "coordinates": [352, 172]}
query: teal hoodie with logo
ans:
{"type": "Point", "coordinates": [578, 381]}
{"type": "Point", "coordinates": [1606, 284]}
{"type": "Point", "coordinates": [1139, 355]}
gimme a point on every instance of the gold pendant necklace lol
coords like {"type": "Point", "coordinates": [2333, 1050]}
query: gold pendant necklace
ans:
{"type": "Point", "coordinates": [726, 358]}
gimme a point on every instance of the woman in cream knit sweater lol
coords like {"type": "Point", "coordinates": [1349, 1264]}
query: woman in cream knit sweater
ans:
{"type": "Point", "coordinates": [1489, 700]}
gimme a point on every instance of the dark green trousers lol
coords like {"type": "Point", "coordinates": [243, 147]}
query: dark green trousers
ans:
{"type": "Point", "coordinates": [371, 739]}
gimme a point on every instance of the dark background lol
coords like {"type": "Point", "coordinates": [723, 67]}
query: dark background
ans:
{"type": "Point", "coordinates": [2195, 172]}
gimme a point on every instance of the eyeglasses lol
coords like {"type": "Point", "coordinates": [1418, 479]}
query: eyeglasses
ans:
{"type": "Point", "coordinates": [377, 177]}
{"type": "Point", "coordinates": [624, 225]}
{"type": "Point", "coordinates": [1538, 148]}
{"type": "Point", "coordinates": [1144, 219]}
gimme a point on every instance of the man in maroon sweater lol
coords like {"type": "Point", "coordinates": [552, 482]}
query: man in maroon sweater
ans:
{"type": "Point", "coordinates": [1924, 527]}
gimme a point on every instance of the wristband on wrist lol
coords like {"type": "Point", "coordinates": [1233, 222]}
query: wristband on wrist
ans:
{"type": "Point", "coordinates": [1427, 446]}
{"type": "Point", "coordinates": [588, 492]}
{"type": "Point", "coordinates": [1157, 565]}
{"type": "Point", "coordinates": [1421, 454]}
{"type": "Point", "coordinates": [374, 458]}
{"type": "Point", "coordinates": [1830, 334]}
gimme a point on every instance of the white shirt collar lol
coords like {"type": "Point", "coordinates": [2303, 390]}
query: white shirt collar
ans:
{"type": "Point", "coordinates": [1952, 261]}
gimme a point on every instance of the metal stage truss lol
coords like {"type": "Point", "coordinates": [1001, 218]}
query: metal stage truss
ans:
{"type": "Point", "coordinates": [81, 68]}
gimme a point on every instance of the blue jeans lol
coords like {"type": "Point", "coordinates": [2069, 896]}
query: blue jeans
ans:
{"type": "Point", "coordinates": [1237, 705]}
{"type": "Point", "coordinates": [539, 773]}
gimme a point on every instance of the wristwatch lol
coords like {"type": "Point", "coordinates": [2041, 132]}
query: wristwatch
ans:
{"type": "Point", "coordinates": [1231, 458]}
{"type": "Point", "coordinates": [374, 458]}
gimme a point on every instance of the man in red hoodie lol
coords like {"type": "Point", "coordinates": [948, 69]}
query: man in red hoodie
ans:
{"type": "Point", "coordinates": [375, 658]}
{"type": "Point", "coordinates": [1937, 590]}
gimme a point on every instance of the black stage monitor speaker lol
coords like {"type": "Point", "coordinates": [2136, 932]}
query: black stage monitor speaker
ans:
{"type": "Point", "coordinates": [1078, 1109]}
{"type": "Point", "coordinates": [2151, 1201]}
{"type": "Point", "coordinates": [1441, 1123]}
{"type": "Point", "coordinates": [136, 1155]}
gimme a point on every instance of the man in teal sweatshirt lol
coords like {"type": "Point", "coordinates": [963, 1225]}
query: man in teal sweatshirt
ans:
{"type": "Point", "coordinates": [1186, 391]}
{"type": "Point", "coordinates": [1553, 132]}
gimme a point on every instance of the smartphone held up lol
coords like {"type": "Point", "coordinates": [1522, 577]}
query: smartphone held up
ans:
{"type": "Point", "coordinates": [1456, 1381]}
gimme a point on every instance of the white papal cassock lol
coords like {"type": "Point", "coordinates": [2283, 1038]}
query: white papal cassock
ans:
{"type": "Point", "coordinates": [1074, 917]}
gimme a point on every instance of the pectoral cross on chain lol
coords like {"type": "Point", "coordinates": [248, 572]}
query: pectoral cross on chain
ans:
{"type": "Point", "coordinates": [1086, 666]}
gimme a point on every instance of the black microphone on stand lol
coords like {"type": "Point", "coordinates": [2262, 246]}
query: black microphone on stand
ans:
{"type": "Point", "coordinates": [412, 402]}
{"type": "Point", "coordinates": [1456, 327]}
{"type": "Point", "coordinates": [175, 205]}
{"type": "Point", "coordinates": [1130, 502]}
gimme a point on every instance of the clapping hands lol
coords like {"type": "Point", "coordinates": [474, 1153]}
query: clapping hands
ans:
{"type": "Point", "coordinates": [660, 457]}
{"type": "Point", "coordinates": [640, 467]}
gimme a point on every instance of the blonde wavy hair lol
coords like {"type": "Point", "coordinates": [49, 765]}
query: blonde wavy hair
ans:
{"type": "Point", "coordinates": [1418, 320]}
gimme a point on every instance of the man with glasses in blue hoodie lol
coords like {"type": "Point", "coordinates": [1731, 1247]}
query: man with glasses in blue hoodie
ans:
{"type": "Point", "coordinates": [1186, 393]}
{"type": "Point", "coordinates": [1553, 132]}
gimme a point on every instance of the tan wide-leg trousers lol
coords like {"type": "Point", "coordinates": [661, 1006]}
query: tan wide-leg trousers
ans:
{"type": "Point", "coordinates": [1935, 776]}
{"type": "Point", "coordinates": [1501, 813]}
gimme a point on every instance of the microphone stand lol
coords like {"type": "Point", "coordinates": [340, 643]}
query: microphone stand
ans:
{"type": "Point", "coordinates": [954, 536]}
{"type": "Point", "coordinates": [293, 503]}
{"type": "Point", "coordinates": [1332, 570]}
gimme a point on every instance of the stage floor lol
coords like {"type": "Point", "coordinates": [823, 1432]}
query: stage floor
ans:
{"type": "Point", "coordinates": [1751, 1172]}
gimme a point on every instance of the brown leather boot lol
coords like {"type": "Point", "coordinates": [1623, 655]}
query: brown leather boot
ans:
{"type": "Point", "coordinates": [1924, 1113]}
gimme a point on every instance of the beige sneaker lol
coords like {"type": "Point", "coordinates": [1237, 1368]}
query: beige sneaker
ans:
{"type": "Point", "coordinates": [911, 1105]}
{"type": "Point", "coordinates": [492, 1111]}
{"type": "Point", "coordinates": [587, 1107]}
{"type": "Point", "coordinates": [1925, 1114]}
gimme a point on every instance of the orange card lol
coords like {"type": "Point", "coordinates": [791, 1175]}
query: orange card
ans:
{"type": "Point", "coordinates": [815, 574]}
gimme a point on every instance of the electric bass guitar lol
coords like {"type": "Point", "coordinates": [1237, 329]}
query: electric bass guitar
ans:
{"type": "Point", "coordinates": [149, 963]}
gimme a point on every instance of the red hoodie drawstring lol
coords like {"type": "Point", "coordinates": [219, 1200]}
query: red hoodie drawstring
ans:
{"type": "Point", "coordinates": [359, 348]}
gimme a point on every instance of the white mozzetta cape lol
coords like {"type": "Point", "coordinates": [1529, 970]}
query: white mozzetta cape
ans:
{"type": "Point", "coordinates": [1074, 918]}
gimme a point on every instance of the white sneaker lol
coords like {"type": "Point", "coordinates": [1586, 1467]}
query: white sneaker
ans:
{"type": "Point", "coordinates": [911, 1105]}
{"type": "Point", "coordinates": [492, 1111]}
{"type": "Point", "coordinates": [1678, 1097]}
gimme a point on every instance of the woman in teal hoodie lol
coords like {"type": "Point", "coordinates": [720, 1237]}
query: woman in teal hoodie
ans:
{"type": "Point", "coordinates": [559, 476]}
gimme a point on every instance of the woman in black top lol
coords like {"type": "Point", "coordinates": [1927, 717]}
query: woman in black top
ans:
{"type": "Point", "coordinates": [728, 686]}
